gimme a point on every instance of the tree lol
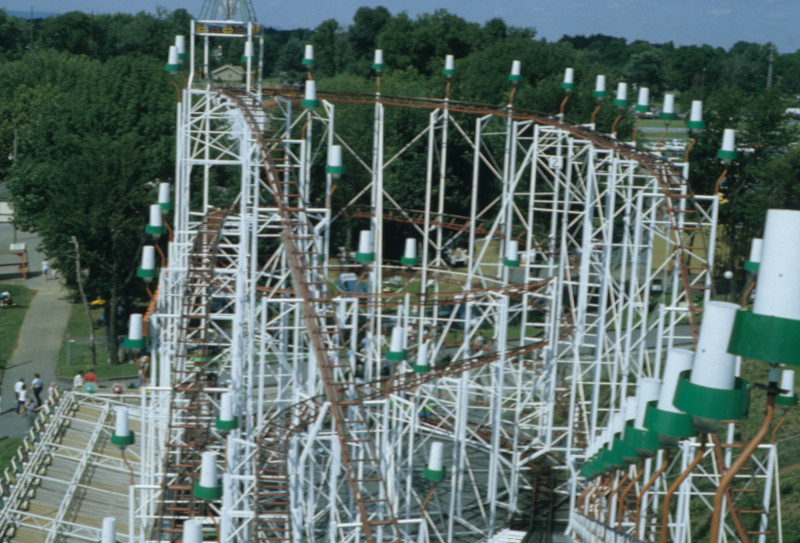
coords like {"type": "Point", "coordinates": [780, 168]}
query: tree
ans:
{"type": "Point", "coordinates": [363, 34]}
{"type": "Point", "coordinates": [88, 166]}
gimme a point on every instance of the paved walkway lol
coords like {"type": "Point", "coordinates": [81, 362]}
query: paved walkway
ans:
{"type": "Point", "coordinates": [41, 335]}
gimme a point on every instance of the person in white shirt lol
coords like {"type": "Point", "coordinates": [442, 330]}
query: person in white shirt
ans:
{"type": "Point", "coordinates": [22, 400]}
{"type": "Point", "coordinates": [77, 381]}
{"type": "Point", "coordinates": [18, 386]}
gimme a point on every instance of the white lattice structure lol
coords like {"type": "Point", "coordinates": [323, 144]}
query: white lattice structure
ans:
{"type": "Point", "coordinates": [551, 272]}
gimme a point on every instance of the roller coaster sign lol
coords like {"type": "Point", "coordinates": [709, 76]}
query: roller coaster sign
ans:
{"type": "Point", "coordinates": [223, 29]}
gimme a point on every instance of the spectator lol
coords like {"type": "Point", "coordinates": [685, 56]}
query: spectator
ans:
{"type": "Point", "coordinates": [77, 381]}
{"type": "Point", "coordinates": [37, 385]}
{"type": "Point", "coordinates": [91, 377]}
{"type": "Point", "coordinates": [22, 400]}
{"type": "Point", "coordinates": [18, 387]}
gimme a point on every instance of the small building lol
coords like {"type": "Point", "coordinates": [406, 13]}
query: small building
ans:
{"type": "Point", "coordinates": [228, 74]}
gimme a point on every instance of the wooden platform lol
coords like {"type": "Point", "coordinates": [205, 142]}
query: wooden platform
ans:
{"type": "Point", "coordinates": [74, 476]}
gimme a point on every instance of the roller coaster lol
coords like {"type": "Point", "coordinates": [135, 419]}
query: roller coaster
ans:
{"type": "Point", "coordinates": [453, 375]}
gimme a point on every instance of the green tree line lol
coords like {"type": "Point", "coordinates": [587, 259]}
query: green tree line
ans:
{"type": "Point", "coordinates": [87, 117]}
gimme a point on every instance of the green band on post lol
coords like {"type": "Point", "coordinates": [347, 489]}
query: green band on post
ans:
{"type": "Point", "coordinates": [146, 274]}
{"type": "Point", "coordinates": [667, 116]}
{"type": "Point", "coordinates": [621, 103]}
{"type": "Point", "coordinates": [677, 425]}
{"type": "Point", "coordinates": [396, 355]}
{"type": "Point", "coordinates": [334, 170]}
{"type": "Point", "coordinates": [155, 230]}
{"type": "Point", "coordinates": [644, 442]}
{"type": "Point", "coordinates": [696, 125]}
{"type": "Point", "coordinates": [122, 441]}
{"type": "Point", "coordinates": [365, 257]}
{"type": "Point", "coordinates": [786, 401]}
{"type": "Point", "coordinates": [226, 425]}
{"type": "Point", "coordinates": [727, 155]}
{"type": "Point", "coordinates": [642, 109]}
{"type": "Point", "coordinates": [511, 263]}
{"type": "Point", "coordinates": [751, 266]}
{"type": "Point", "coordinates": [133, 343]}
{"type": "Point", "coordinates": [405, 261]}
{"type": "Point", "coordinates": [567, 86]}
{"type": "Point", "coordinates": [309, 103]}
{"type": "Point", "coordinates": [763, 337]}
{"type": "Point", "coordinates": [434, 475]}
{"type": "Point", "coordinates": [599, 94]}
{"type": "Point", "coordinates": [713, 403]}
{"type": "Point", "coordinates": [207, 493]}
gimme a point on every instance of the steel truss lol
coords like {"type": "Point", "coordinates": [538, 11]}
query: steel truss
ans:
{"type": "Point", "coordinates": [528, 360]}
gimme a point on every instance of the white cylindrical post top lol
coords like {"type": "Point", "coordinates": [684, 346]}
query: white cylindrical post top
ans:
{"type": "Point", "coordinates": [422, 354]}
{"type": "Point", "coordinates": [398, 338]}
{"type": "Point", "coordinates": [729, 140]}
{"type": "Point", "coordinates": [122, 426]}
{"type": "Point", "coordinates": [778, 294]}
{"type": "Point", "coordinates": [713, 366]}
{"type": "Point", "coordinates": [378, 56]}
{"type": "Point", "coordinates": [109, 530]}
{"type": "Point", "coordinates": [569, 75]}
{"type": "Point", "coordinates": [135, 326]}
{"type": "Point", "coordinates": [622, 90]}
{"type": "Point", "coordinates": [512, 250]}
{"type": "Point", "coordinates": [310, 90]}
{"type": "Point", "coordinates": [411, 248]}
{"type": "Point", "coordinates": [618, 422]}
{"type": "Point", "coordinates": [787, 383]}
{"type": "Point", "coordinates": [678, 360]}
{"type": "Point", "coordinates": [756, 248]}
{"type": "Point", "coordinates": [172, 57]}
{"type": "Point", "coordinates": [696, 114]}
{"type": "Point", "coordinates": [193, 531]}
{"type": "Point", "coordinates": [208, 470]}
{"type": "Point", "coordinates": [335, 156]}
{"type": "Point", "coordinates": [180, 44]}
{"type": "Point", "coordinates": [436, 456]}
{"type": "Point", "coordinates": [648, 390]}
{"type": "Point", "coordinates": [600, 84]}
{"type": "Point", "coordinates": [148, 257]}
{"type": "Point", "coordinates": [669, 103]}
{"type": "Point", "coordinates": [644, 97]}
{"type": "Point", "coordinates": [630, 408]}
{"type": "Point", "coordinates": [309, 52]}
{"type": "Point", "coordinates": [365, 241]}
{"type": "Point", "coordinates": [516, 68]}
{"type": "Point", "coordinates": [156, 220]}
{"type": "Point", "coordinates": [164, 193]}
{"type": "Point", "coordinates": [449, 62]}
{"type": "Point", "coordinates": [226, 406]}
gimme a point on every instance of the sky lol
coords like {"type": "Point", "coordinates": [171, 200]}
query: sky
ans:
{"type": "Point", "coordinates": [720, 23]}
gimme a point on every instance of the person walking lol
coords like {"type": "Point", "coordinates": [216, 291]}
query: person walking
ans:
{"type": "Point", "coordinates": [45, 270]}
{"type": "Point", "coordinates": [37, 385]}
{"type": "Point", "coordinates": [18, 386]}
{"type": "Point", "coordinates": [22, 400]}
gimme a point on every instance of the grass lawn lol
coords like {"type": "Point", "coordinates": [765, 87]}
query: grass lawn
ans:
{"type": "Point", "coordinates": [8, 448]}
{"type": "Point", "coordinates": [11, 319]}
{"type": "Point", "coordinates": [80, 354]}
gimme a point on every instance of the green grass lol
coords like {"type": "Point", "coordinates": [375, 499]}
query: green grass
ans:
{"type": "Point", "coordinates": [8, 448]}
{"type": "Point", "coordinates": [80, 353]}
{"type": "Point", "coordinates": [11, 319]}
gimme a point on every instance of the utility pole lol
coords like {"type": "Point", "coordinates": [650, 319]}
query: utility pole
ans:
{"type": "Point", "coordinates": [79, 279]}
{"type": "Point", "coordinates": [769, 67]}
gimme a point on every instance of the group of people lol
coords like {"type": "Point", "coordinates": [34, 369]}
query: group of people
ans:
{"type": "Point", "coordinates": [80, 379]}
{"type": "Point", "coordinates": [27, 403]}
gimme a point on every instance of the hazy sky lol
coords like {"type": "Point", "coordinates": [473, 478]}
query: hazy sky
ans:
{"type": "Point", "coordinates": [716, 22]}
